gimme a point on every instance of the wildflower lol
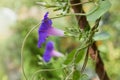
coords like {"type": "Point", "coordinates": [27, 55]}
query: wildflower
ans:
{"type": "Point", "coordinates": [46, 29]}
{"type": "Point", "coordinates": [50, 52]}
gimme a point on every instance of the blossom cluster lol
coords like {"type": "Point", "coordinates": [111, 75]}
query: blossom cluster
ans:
{"type": "Point", "coordinates": [45, 30]}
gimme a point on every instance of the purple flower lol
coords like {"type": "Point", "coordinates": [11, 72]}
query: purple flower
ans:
{"type": "Point", "coordinates": [50, 52]}
{"type": "Point", "coordinates": [46, 30]}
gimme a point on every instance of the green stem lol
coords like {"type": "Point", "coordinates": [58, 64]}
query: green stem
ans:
{"type": "Point", "coordinates": [43, 70]}
{"type": "Point", "coordinates": [75, 14]}
{"type": "Point", "coordinates": [67, 78]}
{"type": "Point", "coordinates": [22, 49]}
{"type": "Point", "coordinates": [85, 61]}
{"type": "Point", "coordinates": [70, 14]}
{"type": "Point", "coordinates": [52, 6]}
{"type": "Point", "coordinates": [80, 3]}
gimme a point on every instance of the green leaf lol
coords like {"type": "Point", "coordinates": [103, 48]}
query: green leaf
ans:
{"type": "Point", "coordinates": [80, 56]}
{"type": "Point", "coordinates": [103, 7]}
{"type": "Point", "coordinates": [69, 57]}
{"type": "Point", "coordinates": [101, 36]}
{"type": "Point", "coordinates": [76, 75]}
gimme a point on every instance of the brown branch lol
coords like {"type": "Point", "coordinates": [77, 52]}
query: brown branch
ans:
{"type": "Point", "coordinates": [99, 63]}
{"type": "Point", "coordinates": [78, 9]}
{"type": "Point", "coordinates": [93, 51]}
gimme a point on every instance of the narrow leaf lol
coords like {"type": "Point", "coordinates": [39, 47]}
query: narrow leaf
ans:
{"type": "Point", "coordinates": [69, 57]}
{"type": "Point", "coordinates": [80, 56]}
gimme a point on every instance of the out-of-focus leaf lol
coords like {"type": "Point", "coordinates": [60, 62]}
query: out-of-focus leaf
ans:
{"type": "Point", "coordinates": [103, 7]}
{"type": "Point", "coordinates": [69, 57]}
{"type": "Point", "coordinates": [103, 49]}
{"type": "Point", "coordinates": [101, 36]}
{"type": "Point", "coordinates": [80, 55]}
{"type": "Point", "coordinates": [76, 75]}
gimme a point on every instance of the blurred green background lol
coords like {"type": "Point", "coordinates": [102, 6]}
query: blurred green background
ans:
{"type": "Point", "coordinates": [17, 17]}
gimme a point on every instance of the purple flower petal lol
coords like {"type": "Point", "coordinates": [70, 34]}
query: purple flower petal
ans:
{"type": "Point", "coordinates": [56, 53]}
{"type": "Point", "coordinates": [42, 38]}
{"type": "Point", "coordinates": [46, 30]}
{"type": "Point", "coordinates": [50, 52]}
{"type": "Point", "coordinates": [46, 15]}
{"type": "Point", "coordinates": [46, 23]}
{"type": "Point", "coordinates": [49, 48]}
{"type": "Point", "coordinates": [55, 32]}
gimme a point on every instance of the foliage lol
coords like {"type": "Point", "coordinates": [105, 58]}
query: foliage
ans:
{"type": "Point", "coordinates": [73, 58]}
{"type": "Point", "coordinates": [69, 66]}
